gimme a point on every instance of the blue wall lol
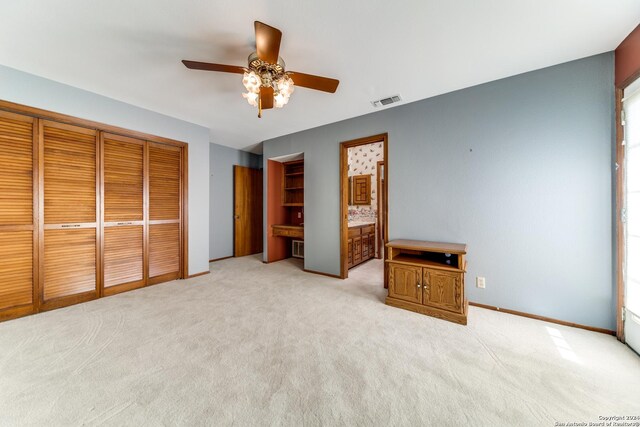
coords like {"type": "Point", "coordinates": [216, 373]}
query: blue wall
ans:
{"type": "Point", "coordinates": [520, 169]}
{"type": "Point", "coordinates": [28, 89]}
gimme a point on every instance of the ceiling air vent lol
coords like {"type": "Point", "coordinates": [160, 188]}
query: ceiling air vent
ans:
{"type": "Point", "coordinates": [386, 101]}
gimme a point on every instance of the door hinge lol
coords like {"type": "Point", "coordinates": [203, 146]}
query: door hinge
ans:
{"type": "Point", "coordinates": [622, 313]}
{"type": "Point", "coordinates": [623, 215]}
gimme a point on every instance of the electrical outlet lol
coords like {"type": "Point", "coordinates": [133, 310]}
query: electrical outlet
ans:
{"type": "Point", "coordinates": [480, 282]}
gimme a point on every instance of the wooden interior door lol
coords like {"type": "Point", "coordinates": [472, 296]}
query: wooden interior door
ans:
{"type": "Point", "coordinates": [164, 213]}
{"type": "Point", "coordinates": [18, 231]}
{"type": "Point", "coordinates": [123, 213]}
{"type": "Point", "coordinates": [247, 228]}
{"type": "Point", "coordinates": [70, 249]}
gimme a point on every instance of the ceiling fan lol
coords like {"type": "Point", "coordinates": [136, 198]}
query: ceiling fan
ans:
{"type": "Point", "coordinates": [265, 78]}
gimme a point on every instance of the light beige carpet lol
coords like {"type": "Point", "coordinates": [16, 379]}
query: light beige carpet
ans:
{"type": "Point", "coordinates": [255, 344]}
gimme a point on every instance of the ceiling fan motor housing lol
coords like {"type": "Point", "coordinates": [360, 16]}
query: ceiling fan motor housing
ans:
{"type": "Point", "coordinates": [267, 72]}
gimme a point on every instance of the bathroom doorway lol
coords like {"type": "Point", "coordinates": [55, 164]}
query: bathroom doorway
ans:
{"type": "Point", "coordinates": [363, 202]}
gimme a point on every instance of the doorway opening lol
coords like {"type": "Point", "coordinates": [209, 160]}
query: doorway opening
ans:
{"type": "Point", "coordinates": [628, 161]}
{"type": "Point", "coordinates": [285, 209]}
{"type": "Point", "coordinates": [364, 214]}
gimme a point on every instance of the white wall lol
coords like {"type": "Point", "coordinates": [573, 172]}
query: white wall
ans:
{"type": "Point", "coordinates": [28, 89]}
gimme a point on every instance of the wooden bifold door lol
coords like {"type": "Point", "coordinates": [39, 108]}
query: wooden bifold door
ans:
{"type": "Point", "coordinates": [164, 213]}
{"type": "Point", "coordinates": [69, 249]}
{"type": "Point", "coordinates": [123, 213]}
{"type": "Point", "coordinates": [18, 214]}
{"type": "Point", "coordinates": [84, 213]}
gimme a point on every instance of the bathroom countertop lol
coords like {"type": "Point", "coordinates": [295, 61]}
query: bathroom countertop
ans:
{"type": "Point", "coordinates": [360, 223]}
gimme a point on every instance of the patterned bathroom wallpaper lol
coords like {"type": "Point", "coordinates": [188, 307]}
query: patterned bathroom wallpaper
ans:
{"type": "Point", "coordinates": [363, 160]}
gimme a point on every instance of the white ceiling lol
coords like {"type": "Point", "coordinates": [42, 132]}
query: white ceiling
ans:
{"type": "Point", "coordinates": [131, 50]}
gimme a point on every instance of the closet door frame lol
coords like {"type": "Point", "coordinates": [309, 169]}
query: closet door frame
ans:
{"type": "Point", "coordinates": [38, 116]}
{"type": "Point", "coordinates": [63, 301]}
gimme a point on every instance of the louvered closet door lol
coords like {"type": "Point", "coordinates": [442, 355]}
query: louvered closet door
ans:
{"type": "Point", "coordinates": [70, 205]}
{"type": "Point", "coordinates": [123, 210]}
{"type": "Point", "coordinates": [17, 225]}
{"type": "Point", "coordinates": [164, 212]}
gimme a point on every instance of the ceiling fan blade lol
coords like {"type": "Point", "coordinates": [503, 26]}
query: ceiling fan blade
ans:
{"type": "Point", "coordinates": [195, 65]}
{"type": "Point", "coordinates": [267, 42]}
{"type": "Point", "coordinates": [266, 97]}
{"type": "Point", "coordinates": [310, 81]}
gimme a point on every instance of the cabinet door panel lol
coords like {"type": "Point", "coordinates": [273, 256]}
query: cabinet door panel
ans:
{"type": "Point", "coordinates": [361, 190]}
{"type": "Point", "coordinates": [123, 257]}
{"type": "Point", "coordinates": [123, 177]}
{"type": "Point", "coordinates": [350, 253]}
{"type": "Point", "coordinates": [443, 290]}
{"type": "Point", "coordinates": [164, 212]}
{"type": "Point", "coordinates": [16, 268]}
{"type": "Point", "coordinates": [69, 174]}
{"type": "Point", "coordinates": [164, 183]}
{"type": "Point", "coordinates": [17, 225]}
{"type": "Point", "coordinates": [365, 247]}
{"type": "Point", "coordinates": [69, 262]}
{"type": "Point", "coordinates": [164, 249]}
{"type": "Point", "coordinates": [405, 282]}
{"type": "Point", "coordinates": [357, 250]}
{"type": "Point", "coordinates": [16, 169]}
{"type": "Point", "coordinates": [70, 207]}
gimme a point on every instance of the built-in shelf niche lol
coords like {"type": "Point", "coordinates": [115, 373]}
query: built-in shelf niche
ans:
{"type": "Point", "coordinates": [293, 183]}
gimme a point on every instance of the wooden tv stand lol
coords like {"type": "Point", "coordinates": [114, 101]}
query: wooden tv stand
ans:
{"type": "Point", "coordinates": [428, 278]}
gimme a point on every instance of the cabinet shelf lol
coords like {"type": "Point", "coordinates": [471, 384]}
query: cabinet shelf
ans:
{"type": "Point", "coordinates": [293, 184]}
{"type": "Point", "coordinates": [416, 260]}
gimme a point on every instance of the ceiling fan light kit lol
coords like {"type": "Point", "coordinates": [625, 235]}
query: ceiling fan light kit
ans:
{"type": "Point", "coordinates": [267, 83]}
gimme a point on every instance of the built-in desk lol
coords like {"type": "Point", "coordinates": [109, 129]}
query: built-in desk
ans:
{"type": "Point", "coordinates": [287, 230]}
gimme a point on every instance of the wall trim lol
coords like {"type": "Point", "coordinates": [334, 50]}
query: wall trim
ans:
{"type": "Point", "coordinates": [198, 274]}
{"type": "Point", "coordinates": [544, 319]}
{"type": "Point", "coordinates": [220, 259]}
{"type": "Point", "coordinates": [334, 276]}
